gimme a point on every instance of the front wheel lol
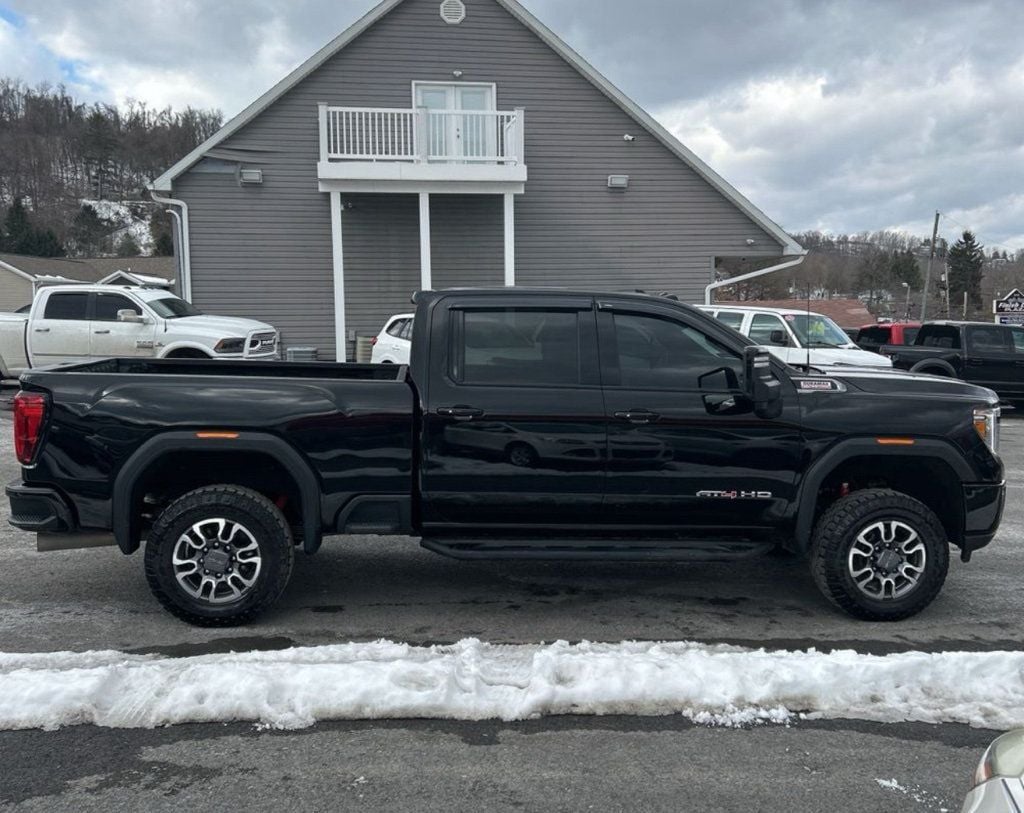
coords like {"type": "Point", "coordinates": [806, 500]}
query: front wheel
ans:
{"type": "Point", "coordinates": [219, 556]}
{"type": "Point", "coordinates": [880, 555]}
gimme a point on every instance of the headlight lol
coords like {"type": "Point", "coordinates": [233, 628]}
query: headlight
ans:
{"type": "Point", "coordinates": [1004, 758]}
{"type": "Point", "coordinates": [986, 422]}
{"type": "Point", "coordinates": [229, 346]}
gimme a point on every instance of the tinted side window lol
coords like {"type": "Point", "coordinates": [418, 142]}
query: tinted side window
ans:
{"type": "Point", "coordinates": [517, 347]}
{"type": "Point", "coordinates": [406, 331]}
{"type": "Point", "coordinates": [1018, 338]}
{"type": "Point", "coordinates": [657, 353]}
{"type": "Point", "coordinates": [762, 326]}
{"type": "Point", "coordinates": [944, 336]}
{"type": "Point", "coordinates": [910, 334]}
{"type": "Point", "coordinates": [66, 306]}
{"type": "Point", "coordinates": [396, 328]}
{"type": "Point", "coordinates": [730, 318]}
{"type": "Point", "coordinates": [874, 335]}
{"type": "Point", "coordinates": [107, 306]}
{"type": "Point", "coordinates": [987, 339]}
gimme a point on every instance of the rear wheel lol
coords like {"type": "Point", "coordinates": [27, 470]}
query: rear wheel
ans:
{"type": "Point", "coordinates": [219, 556]}
{"type": "Point", "coordinates": [880, 555]}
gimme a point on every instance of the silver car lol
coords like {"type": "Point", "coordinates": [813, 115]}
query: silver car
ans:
{"type": "Point", "coordinates": [999, 777]}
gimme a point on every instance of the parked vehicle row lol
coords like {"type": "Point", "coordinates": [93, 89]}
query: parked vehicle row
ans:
{"type": "Point", "coordinates": [873, 337]}
{"type": "Point", "coordinates": [82, 322]}
{"type": "Point", "coordinates": [529, 424]}
{"type": "Point", "coordinates": [982, 353]}
{"type": "Point", "coordinates": [796, 337]}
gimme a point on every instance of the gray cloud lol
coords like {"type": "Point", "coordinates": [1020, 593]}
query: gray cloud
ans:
{"type": "Point", "coordinates": [838, 115]}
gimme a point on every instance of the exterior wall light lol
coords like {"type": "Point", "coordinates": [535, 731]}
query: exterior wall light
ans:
{"type": "Point", "coordinates": [250, 176]}
{"type": "Point", "coordinates": [618, 181]}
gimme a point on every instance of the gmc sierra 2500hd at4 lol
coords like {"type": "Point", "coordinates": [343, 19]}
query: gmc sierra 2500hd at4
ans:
{"type": "Point", "coordinates": [530, 424]}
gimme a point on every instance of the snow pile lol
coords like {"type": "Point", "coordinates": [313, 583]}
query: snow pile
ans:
{"type": "Point", "coordinates": [711, 685]}
{"type": "Point", "coordinates": [129, 218]}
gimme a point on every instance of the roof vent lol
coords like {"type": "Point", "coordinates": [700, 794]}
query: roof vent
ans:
{"type": "Point", "coordinates": [453, 12]}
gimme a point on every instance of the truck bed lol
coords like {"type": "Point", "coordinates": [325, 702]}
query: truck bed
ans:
{"type": "Point", "coordinates": [259, 369]}
{"type": "Point", "coordinates": [351, 427]}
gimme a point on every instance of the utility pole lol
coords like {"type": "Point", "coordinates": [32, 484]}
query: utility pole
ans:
{"type": "Point", "coordinates": [928, 272]}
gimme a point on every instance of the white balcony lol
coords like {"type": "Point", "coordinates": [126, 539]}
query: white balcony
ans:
{"type": "Point", "coordinates": [421, 149]}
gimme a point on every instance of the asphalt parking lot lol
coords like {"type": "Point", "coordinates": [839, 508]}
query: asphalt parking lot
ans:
{"type": "Point", "coordinates": [361, 589]}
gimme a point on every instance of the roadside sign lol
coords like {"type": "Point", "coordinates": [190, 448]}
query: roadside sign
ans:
{"type": "Point", "coordinates": [1012, 319]}
{"type": "Point", "coordinates": [1013, 302]}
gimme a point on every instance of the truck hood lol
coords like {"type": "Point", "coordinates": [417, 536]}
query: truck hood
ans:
{"type": "Point", "coordinates": [850, 355]}
{"type": "Point", "coordinates": [898, 382]}
{"type": "Point", "coordinates": [223, 327]}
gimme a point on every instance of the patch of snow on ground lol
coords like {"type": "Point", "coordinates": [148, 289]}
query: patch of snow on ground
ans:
{"type": "Point", "coordinates": [711, 685]}
{"type": "Point", "coordinates": [917, 794]}
{"type": "Point", "coordinates": [131, 217]}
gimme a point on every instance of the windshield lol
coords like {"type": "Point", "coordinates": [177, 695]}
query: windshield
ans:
{"type": "Point", "coordinates": [170, 307]}
{"type": "Point", "coordinates": [814, 330]}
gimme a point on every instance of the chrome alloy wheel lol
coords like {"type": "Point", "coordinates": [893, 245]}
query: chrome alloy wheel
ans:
{"type": "Point", "coordinates": [887, 560]}
{"type": "Point", "coordinates": [217, 561]}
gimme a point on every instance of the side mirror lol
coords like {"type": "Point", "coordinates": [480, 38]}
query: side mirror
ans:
{"type": "Point", "coordinates": [128, 315]}
{"type": "Point", "coordinates": [759, 383]}
{"type": "Point", "coordinates": [778, 338]}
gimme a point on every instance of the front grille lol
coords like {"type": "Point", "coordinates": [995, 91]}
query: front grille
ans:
{"type": "Point", "coordinates": [263, 343]}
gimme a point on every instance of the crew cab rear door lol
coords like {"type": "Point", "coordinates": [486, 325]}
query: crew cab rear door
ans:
{"type": "Point", "coordinates": [58, 329]}
{"type": "Point", "coordinates": [685, 450]}
{"type": "Point", "coordinates": [514, 421]}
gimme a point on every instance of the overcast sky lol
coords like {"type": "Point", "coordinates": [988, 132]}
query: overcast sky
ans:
{"type": "Point", "coordinates": [839, 116]}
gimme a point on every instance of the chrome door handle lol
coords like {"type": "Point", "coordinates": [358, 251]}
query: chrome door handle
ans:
{"type": "Point", "coordinates": [42, 330]}
{"type": "Point", "coordinates": [101, 332]}
{"type": "Point", "coordinates": [638, 416]}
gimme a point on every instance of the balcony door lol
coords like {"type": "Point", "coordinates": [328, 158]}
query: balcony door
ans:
{"type": "Point", "coordinates": [459, 128]}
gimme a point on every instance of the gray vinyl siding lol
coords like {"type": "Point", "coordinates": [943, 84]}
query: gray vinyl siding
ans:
{"type": "Point", "coordinates": [381, 235]}
{"type": "Point", "coordinates": [467, 240]}
{"type": "Point", "coordinates": [15, 291]}
{"type": "Point", "coordinates": [266, 251]}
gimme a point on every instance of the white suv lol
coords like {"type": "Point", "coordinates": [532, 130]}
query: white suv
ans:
{"type": "Point", "coordinates": [393, 344]}
{"type": "Point", "coordinates": [797, 336]}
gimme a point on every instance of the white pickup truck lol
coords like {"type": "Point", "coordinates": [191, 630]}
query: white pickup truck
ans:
{"type": "Point", "coordinates": [70, 323]}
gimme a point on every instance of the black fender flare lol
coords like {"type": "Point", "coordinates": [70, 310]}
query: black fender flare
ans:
{"type": "Point", "coordinates": [923, 448]}
{"type": "Point", "coordinates": [940, 363]}
{"type": "Point", "coordinates": [126, 526]}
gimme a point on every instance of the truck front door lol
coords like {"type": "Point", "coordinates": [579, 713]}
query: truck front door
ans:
{"type": "Point", "coordinates": [513, 425]}
{"type": "Point", "coordinates": [111, 337]}
{"type": "Point", "coordinates": [685, 449]}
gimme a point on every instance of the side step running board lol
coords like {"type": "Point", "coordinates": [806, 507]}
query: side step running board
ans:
{"type": "Point", "coordinates": [597, 549]}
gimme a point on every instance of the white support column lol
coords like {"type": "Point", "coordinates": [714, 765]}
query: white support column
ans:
{"type": "Point", "coordinates": [340, 334]}
{"type": "Point", "coordinates": [426, 275]}
{"type": "Point", "coordinates": [510, 239]}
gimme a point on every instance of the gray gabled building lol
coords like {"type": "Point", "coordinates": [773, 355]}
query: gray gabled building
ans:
{"type": "Point", "coordinates": [440, 144]}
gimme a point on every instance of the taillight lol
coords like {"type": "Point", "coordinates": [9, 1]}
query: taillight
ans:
{"type": "Point", "coordinates": [29, 415]}
{"type": "Point", "coordinates": [374, 342]}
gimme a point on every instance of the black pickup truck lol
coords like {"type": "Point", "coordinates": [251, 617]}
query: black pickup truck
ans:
{"type": "Point", "coordinates": [530, 424]}
{"type": "Point", "coordinates": [982, 353]}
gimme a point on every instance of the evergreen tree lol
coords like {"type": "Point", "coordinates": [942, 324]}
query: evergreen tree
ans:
{"type": "Point", "coordinates": [17, 228]}
{"type": "Point", "coordinates": [46, 244]}
{"type": "Point", "coordinates": [903, 267]}
{"type": "Point", "coordinates": [160, 229]}
{"type": "Point", "coordinates": [965, 261]}
{"type": "Point", "coordinates": [88, 231]}
{"type": "Point", "coordinates": [127, 246]}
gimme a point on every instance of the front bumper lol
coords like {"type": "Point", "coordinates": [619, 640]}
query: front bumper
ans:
{"type": "Point", "coordinates": [39, 509]}
{"type": "Point", "coordinates": [983, 511]}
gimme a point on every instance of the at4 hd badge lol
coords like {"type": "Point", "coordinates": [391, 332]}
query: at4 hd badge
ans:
{"type": "Point", "coordinates": [736, 495]}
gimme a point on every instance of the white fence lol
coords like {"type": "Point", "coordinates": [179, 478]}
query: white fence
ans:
{"type": "Point", "coordinates": [421, 135]}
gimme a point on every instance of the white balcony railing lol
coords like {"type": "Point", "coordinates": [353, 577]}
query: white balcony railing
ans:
{"type": "Point", "coordinates": [421, 135]}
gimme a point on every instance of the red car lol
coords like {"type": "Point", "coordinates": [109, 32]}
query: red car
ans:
{"type": "Point", "coordinates": [872, 337]}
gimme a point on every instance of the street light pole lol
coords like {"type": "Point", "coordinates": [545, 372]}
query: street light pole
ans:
{"type": "Point", "coordinates": [906, 310]}
{"type": "Point", "coordinates": [928, 273]}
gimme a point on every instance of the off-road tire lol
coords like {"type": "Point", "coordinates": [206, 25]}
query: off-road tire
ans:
{"type": "Point", "coordinates": [255, 512]}
{"type": "Point", "coordinates": [835, 533]}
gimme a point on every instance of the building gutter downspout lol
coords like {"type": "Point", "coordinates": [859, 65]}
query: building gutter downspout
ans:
{"type": "Point", "coordinates": [709, 292]}
{"type": "Point", "coordinates": [185, 265]}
